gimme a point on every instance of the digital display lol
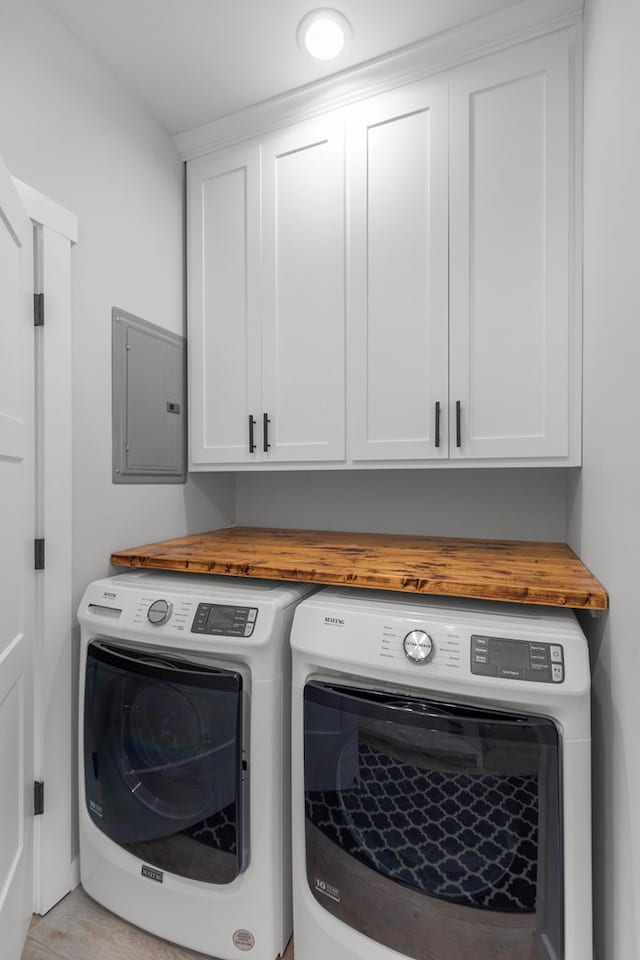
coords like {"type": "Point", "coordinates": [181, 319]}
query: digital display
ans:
{"type": "Point", "coordinates": [224, 620]}
{"type": "Point", "coordinates": [223, 614]}
{"type": "Point", "coordinates": [517, 659]}
{"type": "Point", "coordinates": [510, 653]}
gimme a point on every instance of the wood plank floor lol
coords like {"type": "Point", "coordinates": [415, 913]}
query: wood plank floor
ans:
{"type": "Point", "coordinates": [80, 929]}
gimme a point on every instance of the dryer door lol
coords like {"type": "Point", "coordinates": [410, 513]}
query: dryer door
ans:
{"type": "Point", "coordinates": [163, 764]}
{"type": "Point", "coordinates": [435, 829]}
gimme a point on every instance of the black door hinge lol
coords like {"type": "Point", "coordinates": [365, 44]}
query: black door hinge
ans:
{"type": "Point", "coordinates": [38, 554]}
{"type": "Point", "coordinates": [38, 798]}
{"type": "Point", "coordinates": [38, 309]}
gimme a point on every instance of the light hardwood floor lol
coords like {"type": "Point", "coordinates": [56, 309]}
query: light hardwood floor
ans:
{"type": "Point", "coordinates": [80, 929]}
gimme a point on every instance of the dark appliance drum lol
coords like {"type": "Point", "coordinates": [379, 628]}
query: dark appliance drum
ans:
{"type": "Point", "coordinates": [163, 755]}
{"type": "Point", "coordinates": [433, 828]}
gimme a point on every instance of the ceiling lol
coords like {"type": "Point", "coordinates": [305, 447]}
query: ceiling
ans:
{"type": "Point", "coordinates": [193, 61]}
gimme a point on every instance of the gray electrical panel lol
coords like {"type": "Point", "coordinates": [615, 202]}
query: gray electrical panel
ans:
{"type": "Point", "coordinates": [148, 402]}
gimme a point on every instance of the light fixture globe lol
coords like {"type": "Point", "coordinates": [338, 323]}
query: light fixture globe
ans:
{"type": "Point", "coordinates": [323, 34]}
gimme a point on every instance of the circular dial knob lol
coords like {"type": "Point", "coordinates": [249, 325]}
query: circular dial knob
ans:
{"type": "Point", "coordinates": [159, 612]}
{"type": "Point", "coordinates": [418, 646]}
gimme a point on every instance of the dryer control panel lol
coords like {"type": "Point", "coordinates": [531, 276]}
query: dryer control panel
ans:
{"type": "Point", "coordinates": [421, 644]}
{"type": "Point", "coordinates": [224, 620]}
{"type": "Point", "coordinates": [517, 659]}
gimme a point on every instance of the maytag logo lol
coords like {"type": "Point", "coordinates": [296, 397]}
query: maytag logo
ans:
{"type": "Point", "coordinates": [334, 621]}
{"type": "Point", "coordinates": [152, 874]}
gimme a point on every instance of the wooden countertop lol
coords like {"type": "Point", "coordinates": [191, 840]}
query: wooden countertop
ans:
{"type": "Point", "coordinates": [517, 571]}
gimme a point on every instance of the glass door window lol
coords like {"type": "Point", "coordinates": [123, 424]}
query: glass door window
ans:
{"type": "Point", "coordinates": [434, 828]}
{"type": "Point", "coordinates": [163, 760]}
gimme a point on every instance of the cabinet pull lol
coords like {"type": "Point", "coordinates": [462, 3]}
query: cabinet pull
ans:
{"type": "Point", "coordinates": [437, 423]}
{"type": "Point", "coordinates": [265, 431]}
{"type": "Point", "coordinates": [252, 423]}
{"type": "Point", "coordinates": [458, 419]}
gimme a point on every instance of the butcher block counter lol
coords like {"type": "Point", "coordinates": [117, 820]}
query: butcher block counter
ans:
{"type": "Point", "coordinates": [517, 571]}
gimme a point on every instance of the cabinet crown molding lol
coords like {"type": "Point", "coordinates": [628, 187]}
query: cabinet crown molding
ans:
{"type": "Point", "coordinates": [523, 21]}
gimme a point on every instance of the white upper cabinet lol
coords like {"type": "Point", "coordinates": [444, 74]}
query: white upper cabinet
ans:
{"type": "Point", "coordinates": [303, 319]}
{"type": "Point", "coordinates": [396, 283]}
{"type": "Point", "coordinates": [398, 306]}
{"type": "Point", "coordinates": [511, 258]}
{"type": "Point", "coordinates": [266, 300]}
{"type": "Point", "coordinates": [224, 304]}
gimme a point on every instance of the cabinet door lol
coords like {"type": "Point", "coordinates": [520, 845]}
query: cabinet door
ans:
{"type": "Point", "coordinates": [224, 304]}
{"type": "Point", "coordinates": [398, 314]}
{"type": "Point", "coordinates": [511, 253]}
{"type": "Point", "coordinates": [303, 294]}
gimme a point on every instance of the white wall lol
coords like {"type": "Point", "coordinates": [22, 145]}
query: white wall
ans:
{"type": "Point", "coordinates": [510, 504]}
{"type": "Point", "coordinates": [605, 510]}
{"type": "Point", "coordinates": [69, 130]}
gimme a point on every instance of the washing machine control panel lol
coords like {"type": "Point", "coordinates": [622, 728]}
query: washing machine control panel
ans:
{"type": "Point", "coordinates": [517, 659]}
{"type": "Point", "coordinates": [420, 644]}
{"type": "Point", "coordinates": [224, 620]}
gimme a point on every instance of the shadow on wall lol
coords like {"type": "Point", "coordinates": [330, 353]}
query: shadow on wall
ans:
{"type": "Point", "coordinates": [507, 504]}
{"type": "Point", "coordinates": [209, 502]}
{"type": "Point", "coordinates": [574, 509]}
{"type": "Point", "coordinates": [613, 814]}
{"type": "Point", "coordinates": [602, 829]}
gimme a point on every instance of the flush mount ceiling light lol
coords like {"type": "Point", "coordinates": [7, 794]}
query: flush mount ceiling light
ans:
{"type": "Point", "coordinates": [323, 34]}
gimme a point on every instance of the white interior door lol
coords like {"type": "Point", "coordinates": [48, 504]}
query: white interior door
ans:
{"type": "Point", "coordinates": [16, 570]}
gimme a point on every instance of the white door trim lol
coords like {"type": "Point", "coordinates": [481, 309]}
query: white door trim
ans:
{"type": "Point", "coordinates": [55, 230]}
{"type": "Point", "coordinates": [47, 212]}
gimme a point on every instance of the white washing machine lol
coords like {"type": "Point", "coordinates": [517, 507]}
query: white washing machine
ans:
{"type": "Point", "coordinates": [441, 780]}
{"type": "Point", "coordinates": [184, 757]}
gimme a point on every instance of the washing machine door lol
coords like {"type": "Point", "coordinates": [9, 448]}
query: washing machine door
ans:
{"type": "Point", "coordinates": [435, 829]}
{"type": "Point", "coordinates": [163, 760]}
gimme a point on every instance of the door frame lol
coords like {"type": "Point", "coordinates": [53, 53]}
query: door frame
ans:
{"type": "Point", "coordinates": [55, 231]}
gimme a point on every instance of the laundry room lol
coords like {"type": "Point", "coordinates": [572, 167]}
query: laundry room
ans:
{"type": "Point", "coordinates": [474, 158]}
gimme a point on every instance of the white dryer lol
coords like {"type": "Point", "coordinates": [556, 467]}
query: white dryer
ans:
{"type": "Point", "coordinates": [441, 780]}
{"type": "Point", "coordinates": [184, 757]}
